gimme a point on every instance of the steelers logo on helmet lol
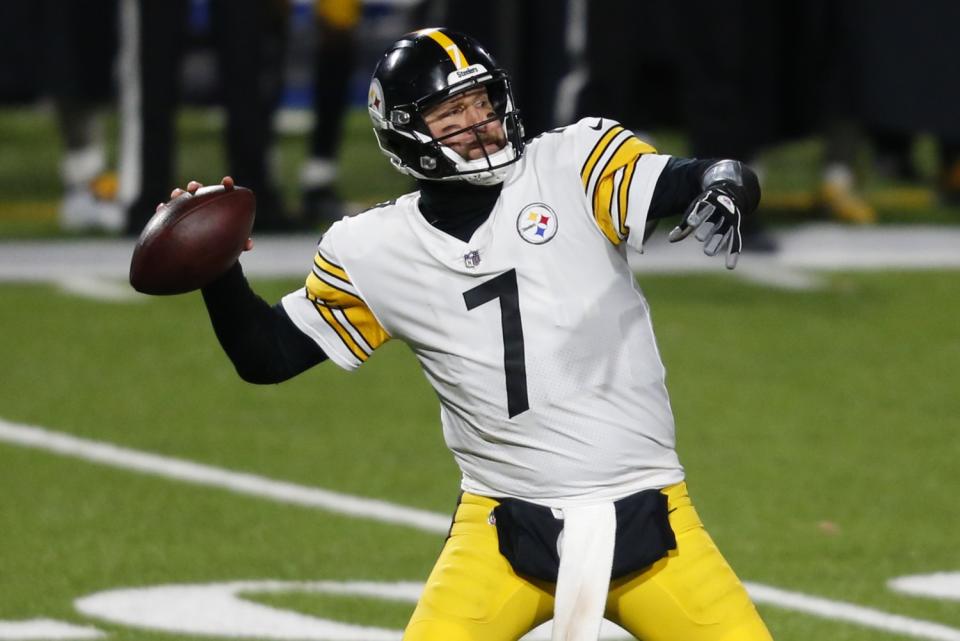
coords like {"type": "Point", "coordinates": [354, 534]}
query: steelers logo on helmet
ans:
{"type": "Point", "coordinates": [537, 223]}
{"type": "Point", "coordinates": [461, 74]}
{"type": "Point", "coordinates": [375, 101]}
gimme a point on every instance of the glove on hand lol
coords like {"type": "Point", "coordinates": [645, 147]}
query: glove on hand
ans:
{"type": "Point", "coordinates": [715, 215]}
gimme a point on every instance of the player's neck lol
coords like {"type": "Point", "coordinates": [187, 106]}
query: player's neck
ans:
{"type": "Point", "coordinates": [457, 208]}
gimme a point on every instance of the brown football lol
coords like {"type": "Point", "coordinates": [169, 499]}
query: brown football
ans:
{"type": "Point", "coordinates": [192, 239]}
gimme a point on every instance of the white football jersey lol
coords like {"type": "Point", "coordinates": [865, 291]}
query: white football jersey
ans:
{"type": "Point", "coordinates": [534, 333]}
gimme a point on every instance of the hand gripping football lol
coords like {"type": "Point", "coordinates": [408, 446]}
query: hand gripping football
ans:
{"type": "Point", "coordinates": [192, 240]}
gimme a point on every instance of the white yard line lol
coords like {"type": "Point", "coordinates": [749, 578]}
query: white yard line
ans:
{"type": "Point", "coordinates": [207, 475]}
{"type": "Point", "coordinates": [253, 485]}
{"type": "Point", "coordinates": [850, 613]}
{"type": "Point", "coordinates": [46, 629]}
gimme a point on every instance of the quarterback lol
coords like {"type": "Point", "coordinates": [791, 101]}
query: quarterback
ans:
{"type": "Point", "coordinates": [506, 274]}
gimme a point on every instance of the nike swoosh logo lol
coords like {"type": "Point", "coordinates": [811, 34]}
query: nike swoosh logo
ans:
{"type": "Point", "coordinates": [599, 125]}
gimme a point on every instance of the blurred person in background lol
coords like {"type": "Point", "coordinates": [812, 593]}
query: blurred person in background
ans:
{"type": "Point", "coordinates": [760, 74]}
{"type": "Point", "coordinates": [333, 63]}
{"type": "Point", "coordinates": [840, 195]}
{"type": "Point", "coordinates": [249, 37]}
{"type": "Point", "coordinates": [21, 68]}
{"type": "Point", "coordinates": [640, 87]}
{"type": "Point", "coordinates": [81, 46]}
{"type": "Point", "coordinates": [679, 72]}
{"type": "Point", "coordinates": [906, 55]}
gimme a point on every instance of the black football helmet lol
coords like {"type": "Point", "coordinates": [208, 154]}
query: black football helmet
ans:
{"type": "Point", "coordinates": [421, 70]}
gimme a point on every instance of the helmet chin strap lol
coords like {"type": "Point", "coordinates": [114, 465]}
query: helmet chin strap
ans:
{"type": "Point", "coordinates": [490, 169]}
{"type": "Point", "coordinates": [489, 177]}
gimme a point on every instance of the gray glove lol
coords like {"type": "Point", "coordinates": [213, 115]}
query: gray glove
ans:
{"type": "Point", "coordinates": [716, 217]}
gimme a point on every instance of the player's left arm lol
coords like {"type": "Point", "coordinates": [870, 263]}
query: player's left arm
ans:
{"type": "Point", "coordinates": [715, 196]}
{"type": "Point", "coordinates": [629, 187]}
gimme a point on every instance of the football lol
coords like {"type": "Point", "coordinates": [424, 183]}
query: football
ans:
{"type": "Point", "coordinates": [192, 239]}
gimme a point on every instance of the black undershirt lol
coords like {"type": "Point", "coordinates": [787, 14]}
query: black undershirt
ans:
{"type": "Point", "coordinates": [266, 347]}
{"type": "Point", "coordinates": [457, 208]}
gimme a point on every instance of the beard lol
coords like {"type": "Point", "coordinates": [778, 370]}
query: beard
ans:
{"type": "Point", "coordinates": [484, 144]}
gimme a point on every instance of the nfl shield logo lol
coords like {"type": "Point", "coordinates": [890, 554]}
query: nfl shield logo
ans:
{"type": "Point", "coordinates": [471, 259]}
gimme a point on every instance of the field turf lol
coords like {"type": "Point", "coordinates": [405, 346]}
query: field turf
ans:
{"type": "Point", "coordinates": [819, 431]}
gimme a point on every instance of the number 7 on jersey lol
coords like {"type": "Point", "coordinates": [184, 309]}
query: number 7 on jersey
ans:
{"type": "Point", "coordinates": [504, 287]}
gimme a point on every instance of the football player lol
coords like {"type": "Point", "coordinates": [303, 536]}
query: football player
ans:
{"type": "Point", "coordinates": [506, 274]}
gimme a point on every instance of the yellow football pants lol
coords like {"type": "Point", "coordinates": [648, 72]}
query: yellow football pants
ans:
{"type": "Point", "coordinates": [692, 594]}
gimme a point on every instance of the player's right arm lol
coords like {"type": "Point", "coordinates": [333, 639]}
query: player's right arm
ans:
{"type": "Point", "coordinates": [331, 310]}
{"type": "Point", "coordinates": [262, 342]}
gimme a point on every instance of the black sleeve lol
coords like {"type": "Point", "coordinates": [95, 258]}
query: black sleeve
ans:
{"type": "Point", "coordinates": [682, 180]}
{"type": "Point", "coordinates": [263, 343]}
{"type": "Point", "coordinates": [678, 184]}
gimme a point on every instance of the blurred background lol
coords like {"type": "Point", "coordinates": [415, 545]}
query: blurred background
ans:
{"type": "Point", "coordinates": [814, 387]}
{"type": "Point", "coordinates": [846, 109]}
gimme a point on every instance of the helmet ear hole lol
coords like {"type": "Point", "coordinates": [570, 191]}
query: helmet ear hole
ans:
{"type": "Point", "coordinates": [428, 163]}
{"type": "Point", "coordinates": [400, 118]}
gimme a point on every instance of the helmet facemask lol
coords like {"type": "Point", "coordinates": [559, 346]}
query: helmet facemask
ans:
{"type": "Point", "coordinates": [404, 136]}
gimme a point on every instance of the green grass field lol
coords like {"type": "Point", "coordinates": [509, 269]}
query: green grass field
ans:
{"type": "Point", "coordinates": [819, 430]}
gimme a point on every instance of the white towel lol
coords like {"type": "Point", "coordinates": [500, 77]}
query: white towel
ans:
{"type": "Point", "coordinates": [586, 560]}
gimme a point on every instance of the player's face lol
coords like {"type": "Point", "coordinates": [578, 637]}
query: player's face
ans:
{"type": "Point", "coordinates": [461, 112]}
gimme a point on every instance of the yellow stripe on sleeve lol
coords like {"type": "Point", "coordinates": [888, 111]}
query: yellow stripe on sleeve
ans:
{"type": "Point", "coordinates": [595, 154]}
{"type": "Point", "coordinates": [624, 157]}
{"type": "Point", "coordinates": [341, 331]}
{"type": "Point", "coordinates": [331, 268]}
{"type": "Point", "coordinates": [628, 151]}
{"type": "Point", "coordinates": [330, 294]}
{"type": "Point", "coordinates": [326, 297]}
{"type": "Point", "coordinates": [602, 197]}
{"type": "Point", "coordinates": [367, 325]}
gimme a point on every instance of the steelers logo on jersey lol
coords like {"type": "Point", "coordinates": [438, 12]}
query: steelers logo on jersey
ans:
{"type": "Point", "coordinates": [537, 223]}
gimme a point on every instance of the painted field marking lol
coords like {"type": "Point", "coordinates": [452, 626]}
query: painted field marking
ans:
{"type": "Point", "coordinates": [207, 475]}
{"type": "Point", "coordinates": [223, 610]}
{"type": "Point", "coordinates": [850, 613]}
{"type": "Point", "coordinates": [44, 629]}
{"type": "Point", "coordinates": [253, 485]}
{"type": "Point", "coordinates": [936, 585]}
{"type": "Point", "coordinates": [103, 289]}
